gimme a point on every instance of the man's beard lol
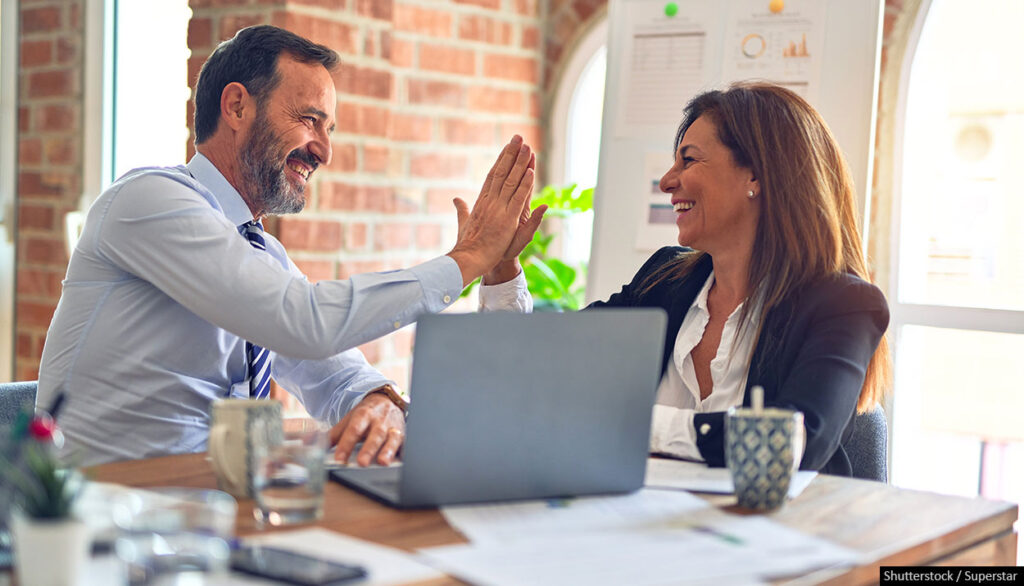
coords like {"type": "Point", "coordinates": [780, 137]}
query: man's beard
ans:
{"type": "Point", "coordinates": [264, 177]}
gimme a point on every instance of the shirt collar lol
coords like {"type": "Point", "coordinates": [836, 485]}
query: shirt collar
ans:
{"type": "Point", "coordinates": [235, 208]}
{"type": "Point", "coordinates": [701, 303]}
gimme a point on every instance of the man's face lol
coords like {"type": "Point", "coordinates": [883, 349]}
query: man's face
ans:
{"type": "Point", "coordinates": [288, 138]}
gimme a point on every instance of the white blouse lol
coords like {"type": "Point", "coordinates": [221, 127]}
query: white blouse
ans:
{"type": "Point", "coordinates": [672, 431]}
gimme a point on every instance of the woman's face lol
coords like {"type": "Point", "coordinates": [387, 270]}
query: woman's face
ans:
{"type": "Point", "coordinates": [709, 193]}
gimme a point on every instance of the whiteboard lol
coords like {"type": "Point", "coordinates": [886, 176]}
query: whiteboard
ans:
{"type": "Point", "coordinates": [843, 88]}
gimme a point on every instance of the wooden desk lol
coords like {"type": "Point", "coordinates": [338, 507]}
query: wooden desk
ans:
{"type": "Point", "coordinates": [893, 526]}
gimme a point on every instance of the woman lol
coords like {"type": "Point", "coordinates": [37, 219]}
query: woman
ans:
{"type": "Point", "coordinates": [772, 288]}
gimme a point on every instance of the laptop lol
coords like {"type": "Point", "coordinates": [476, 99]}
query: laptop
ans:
{"type": "Point", "coordinates": [509, 406]}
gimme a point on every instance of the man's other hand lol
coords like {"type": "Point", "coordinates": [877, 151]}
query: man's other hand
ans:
{"type": "Point", "coordinates": [375, 421]}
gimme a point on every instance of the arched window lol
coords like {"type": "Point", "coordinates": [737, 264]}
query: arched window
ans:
{"type": "Point", "coordinates": [576, 132]}
{"type": "Point", "coordinates": [957, 286]}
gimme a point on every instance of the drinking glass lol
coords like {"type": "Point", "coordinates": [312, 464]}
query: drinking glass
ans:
{"type": "Point", "coordinates": [174, 536]}
{"type": "Point", "coordinates": [289, 477]}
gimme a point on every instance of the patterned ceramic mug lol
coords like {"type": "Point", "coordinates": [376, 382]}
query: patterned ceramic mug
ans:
{"type": "Point", "coordinates": [239, 429]}
{"type": "Point", "coordinates": [762, 450]}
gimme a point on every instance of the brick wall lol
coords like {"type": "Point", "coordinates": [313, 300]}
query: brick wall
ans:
{"type": "Point", "coordinates": [49, 164]}
{"type": "Point", "coordinates": [427, 94]}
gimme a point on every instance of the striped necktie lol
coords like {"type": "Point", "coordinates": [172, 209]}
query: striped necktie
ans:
{"type": "Point", "coordinates": [259, 357]}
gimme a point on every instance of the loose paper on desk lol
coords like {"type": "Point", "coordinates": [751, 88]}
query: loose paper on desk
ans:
{"type": "Point", "coordinates": [695, 545]}
{"type": "Point", "coordinates": [699, 477]}
{"type": "Point", "coordinates": [504, 522]}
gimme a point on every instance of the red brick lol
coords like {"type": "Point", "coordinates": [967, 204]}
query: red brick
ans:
{"type": "Point", "coordinates": [343, 159]}
{"type": "Point", "coordinates": [337, 35]}
{"type": "Point", "coordinates": [48, 84]}
{"type": "Point", "coordinates": [43, 250]}
{"type": "Point", "coordinates": [24, 119]}
{"type": "Point", "coordinates": [402, 342]}
{"type": "Point", "coordinates": [55, 117]}
{"type": "Point", "coordinates": [75, 20]}
{"type": "Point", "coordinates": [372, 350]}
{"type": "Point", "coordinates": [40, 184]}
{"type": "Point", "coordinates": [35, 217]}
{"type": "Point", "coordinates": [355, 236]}
{"type": "Point", "coordinates": [436, 93]}
{"type": "Point", "coordinates": [531, 37]}
{"type": "Point", "coordinates": [531, 133]}
{"type": "Point", "coordinates": [461, 131]}
{"type": "Point", "coordinates": [40, 20]}
{"type": "Point", "coordinates": [200, 33]}
{"type": "Point", "coordinates": [30, 151]}
{"type": "Point", "coordinates": [67, 51]}
{"type": "Point", "coordinates": [379, 9]}
{"type": "Point", "coordinates": [372, 83]}
{"type": "Point", "coordinates": [436, 165]}
{"type": "Point", "coordinates": [488, 99]}
{"type": "Point", "coordinates": [316, 270]}
{"type": "Point", "coordinates": [401, 53]}
{"type": "Point", "coordinates": [60, 151]}
{"type": "Point", "coordinates": [512, 68]}
{"type": "Point", "coordinates": [195, 65]}
{"type": "Point", "coordinates": [474, 27]}
{"type": "Point", "coordinates": [439, 201]}
{"type": "Point", "coordinates": [392, 236]}
{"type": "Point", "coordinates": [586, 8]}
{"type": "Point", "coordinates": [39, 283]}
{"type": "Point", "coordinates": [370, 44]}
{"type": "Point", "coordinates": [36, 53]}
{"type": "Point", "coordinates": [411, 128]}
{"type": "Point", "coordinates": [376, 158]}
{"type": "Point", "coordinates": [428, 236]}
{"type": "Point", "coordinates": [232, 23]}
{"type": "Point", "coordinates": [26, 346]}
{"type": "Point", "coordinates": [360, 119]}
{"type": "Point", "coordinates": [347, 197]}
{"type": "Point", "coordinates": [27, 370]}
{"type": "Point", "coordinates": [447, 59]}
{"type": "Point", "coordinates": [314, 235]}
{"type": "Point", "coordinates": [433, 23]}
{"type": "Point", "coordinates": [492, 4]}
{"type": "Point", "coordinates": [527, 7]}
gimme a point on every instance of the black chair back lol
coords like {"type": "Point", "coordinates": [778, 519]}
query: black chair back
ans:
{"type": "Point", "coordinates": [14, 397]}
{"type": "Point", "coordinates": [867, 447]}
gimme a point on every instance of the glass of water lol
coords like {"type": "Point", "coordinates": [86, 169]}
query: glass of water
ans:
{"type": "Point", "coordinates": [174, 535]}
{"type": "Point", "coordinates": [289, 477]}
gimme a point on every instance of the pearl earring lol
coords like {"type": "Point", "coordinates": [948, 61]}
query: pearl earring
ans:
{"type": "Point", "coordinates": [750, 194]}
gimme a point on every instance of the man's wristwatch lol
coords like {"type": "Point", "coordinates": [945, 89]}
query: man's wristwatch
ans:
{"type": "Point", "coordinates": [393, 396]}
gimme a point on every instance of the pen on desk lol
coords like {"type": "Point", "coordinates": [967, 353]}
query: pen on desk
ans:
{"type": "Point", "coordinates": [731, 539]}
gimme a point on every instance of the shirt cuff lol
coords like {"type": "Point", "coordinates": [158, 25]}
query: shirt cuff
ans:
{"type": "Point", "coordinates": [441, 281]}
{"type": "Point", "coordinates": [512, 295]}
{"type": "Point", "coordinates": [672, 433]}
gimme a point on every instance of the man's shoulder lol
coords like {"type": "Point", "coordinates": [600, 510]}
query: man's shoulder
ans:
{"type": "Point", "coordinates": [158, 186]}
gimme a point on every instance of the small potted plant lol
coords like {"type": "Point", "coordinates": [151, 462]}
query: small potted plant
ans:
{"type": "Point", "coordinates": [50, 545]}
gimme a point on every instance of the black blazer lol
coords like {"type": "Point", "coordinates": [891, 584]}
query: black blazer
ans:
{"type": "Point", "coordinates": [811, 356]}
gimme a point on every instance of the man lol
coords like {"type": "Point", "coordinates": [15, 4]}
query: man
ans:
{"type": "Point", "coordinates": [175, 297]}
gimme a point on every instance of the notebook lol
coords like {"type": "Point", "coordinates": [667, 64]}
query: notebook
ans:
{"type": "Point", "coordinates": [509, 406]}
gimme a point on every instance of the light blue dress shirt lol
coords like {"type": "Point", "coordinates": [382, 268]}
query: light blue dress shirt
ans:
{"type": "Point", "coordinates": [161, 294]}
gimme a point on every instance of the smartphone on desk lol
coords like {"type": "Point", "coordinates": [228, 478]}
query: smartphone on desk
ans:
{"type": "Point", "coordinates": [291, 567]}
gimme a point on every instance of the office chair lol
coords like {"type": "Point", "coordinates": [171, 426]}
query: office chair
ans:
{"type": "Point", "coordinates": [867, 446]}
{"type": "Point", "coordinates": [14, 397]}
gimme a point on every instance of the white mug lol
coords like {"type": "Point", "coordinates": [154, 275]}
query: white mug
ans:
{"type": "Point", "coordinates": [238, 428]}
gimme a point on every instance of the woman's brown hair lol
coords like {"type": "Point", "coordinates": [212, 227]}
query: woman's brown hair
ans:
{"type": "Point", "coordinates": [808, 225]}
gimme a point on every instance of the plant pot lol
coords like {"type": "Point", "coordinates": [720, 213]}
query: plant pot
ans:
{"type": "Point", "coordinates": [50, 552]}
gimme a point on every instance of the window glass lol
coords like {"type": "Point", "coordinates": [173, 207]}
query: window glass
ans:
{"type": "Point", "coordinates": [960, 237]}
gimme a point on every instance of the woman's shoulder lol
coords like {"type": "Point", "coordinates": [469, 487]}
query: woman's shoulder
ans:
{"type": "Point", "coordinates": [844, 291]}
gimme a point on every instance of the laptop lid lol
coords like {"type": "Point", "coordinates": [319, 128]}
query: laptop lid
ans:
{"type": "Point", "coordinates": [512, 406]}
